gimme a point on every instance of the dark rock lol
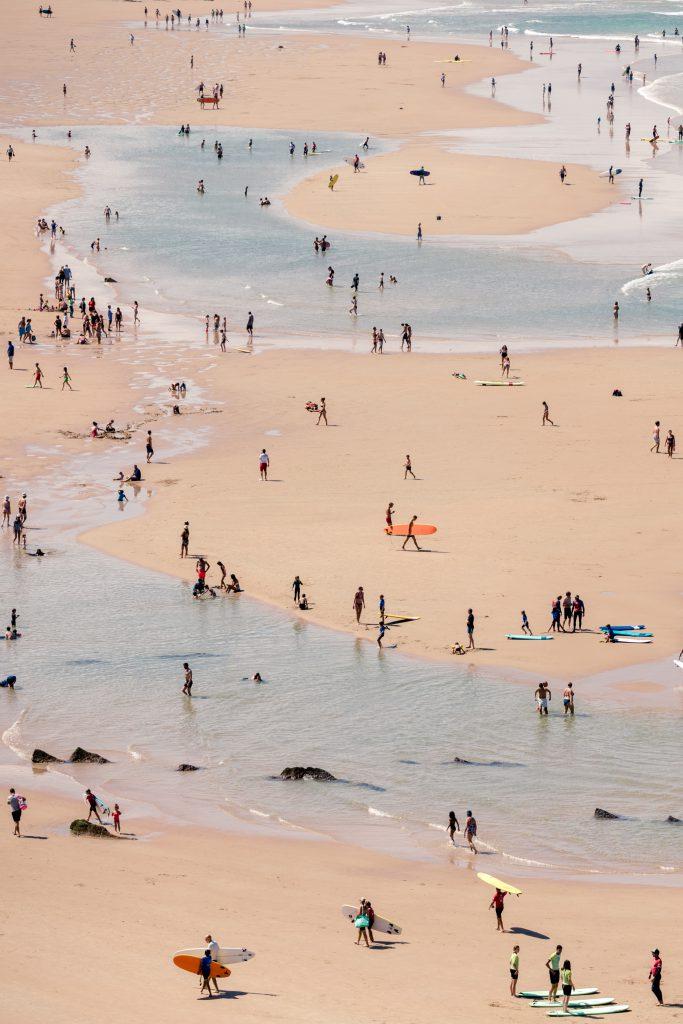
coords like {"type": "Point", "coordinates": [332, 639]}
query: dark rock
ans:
{"type": "Point", "coordinates": [81, 827]}
{"type": "Point", "coordinates": [674, 821]}
{"type": "Point", "coordinates": [312, 773]}
{"type": "Point", "coordinates": [187, 768]}
{"type": "Point", "coordinates": [81, 756]}
{"type": "Point", "coordinates": [110, 280]}
{"type": "Point", "coordinates": [460, 760]}
{"type": "Point", "coordinates": [42, 757]}
{"type": "Point", "coordinates": [600, 813]}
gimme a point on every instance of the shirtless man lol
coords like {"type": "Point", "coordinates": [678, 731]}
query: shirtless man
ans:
{"type": "Point", "coordinates": [322, 415]}
{"type": "Point", "coordinates": [187, 688]}
{"type": "Point", "coordinates": [388, 516]}
{"type": "Point", "coordinates": [542, 695]}
{"type": "Point", "coordinates": [410, 535]}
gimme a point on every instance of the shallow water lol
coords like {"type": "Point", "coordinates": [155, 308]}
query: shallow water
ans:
{"type": "Point", "coordinates": [103, 669]}
{"type": "Point", "coordinates": [176, 250]}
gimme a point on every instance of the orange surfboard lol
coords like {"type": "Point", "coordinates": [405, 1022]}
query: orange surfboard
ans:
{"type": "Point", "coordinates": [191, 964]}
{"type": "Point", "coordinates": [401, 530]}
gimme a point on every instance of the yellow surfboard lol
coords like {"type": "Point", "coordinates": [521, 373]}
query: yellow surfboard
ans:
{"type": "Point", "coordinates": [333, 181]}
{"type": "Point", "coordinates": [497, 884]}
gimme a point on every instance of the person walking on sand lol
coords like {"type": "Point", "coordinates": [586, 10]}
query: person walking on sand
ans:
{"type": "Point", "coordinates": [553, 966]}
{"type": "Point", "coordinates": [296, 587]}
{"type": "Point", "coordinates": [542, 695]}
{"type": "Point", "coordinates": [497, 905]}
{"type": "Point", "coordinates": [91, 801]}
{"type": "Point", "coordinates": [380, 635]}
{"type": "Point", "coordinates": [38, 377]}
{"type": "Point", "coordinates": [654, 977]}
{"type": "Point", "coordinates": [568, 700]}
{"type": "Point", "coordinates": [388, 515]}
{"type": "Point", "coordinates": [10, 354]}
{"type": "Point", "coordinates": [656, 438]}
{"type": "Point", "coordinates": [187, 688]}
{"type": "Point", "coordinates": [359, 603]}
{"type": "Point", "coordinates": [185, 540]}
{"type": "Point", "coordinates": [526, 628]}
{"type": "Point", "coordinates": [546, 415]}
{"type": "Point", "coordinates": [250, 325]}
{"type": "Point", "coordinates": [149, 448]}
{"type": "Point", "coordinates": [670, 444]}
{"type": "Point", "coordinates": [410, 535]}
{"type": "Point", "coordinates": [204, 971]}
{"type": "Point", "coordinates": [453, 826]}
{"type": "Point", "coordinates": [471, 831]}
{"type": "Point", "coordinates": [322, 415]}
{"type": "Point", "coordinates": [470, 630]}
{"type": "Point", "coordinates": [263, 463]}
{"type": "Point", "coordinates": [408, 468]}
{"type": "Point", "coordinates": [66, 380]}
{"type": "Point", "coordinates": [15, 810]}
{"type": "Point", "coordinates": [514, 970]}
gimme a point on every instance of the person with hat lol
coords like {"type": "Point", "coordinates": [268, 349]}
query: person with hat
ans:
{"type": "Point", "coordinates": [655, 976]}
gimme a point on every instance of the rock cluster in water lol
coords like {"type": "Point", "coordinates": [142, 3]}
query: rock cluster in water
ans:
{"type": "Point", "coordinates": [79, 756]}
{"type": "Point", "coordinates": [312, 773]}
{"type": "Point", "coordinates": [600, 813]}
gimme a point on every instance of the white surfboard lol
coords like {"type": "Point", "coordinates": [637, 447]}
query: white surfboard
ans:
{"type": "Point", "coordinates": [679, 663]}
{"type": "Point", "coordinates": [379, 925]}
{"type": "Point", "coordinates": [619, 638]}
{"type": "Point", "coordinates": [576, 1004]}
{"type": "Point", "coordinates": [226, 955]}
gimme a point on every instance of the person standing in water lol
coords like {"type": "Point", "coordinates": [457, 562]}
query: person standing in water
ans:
{"type": "Point", "coordinates": [410, 535]}
{"type": "Point", "coordinates": [187, 688]}
{"type": "Point", "coordinates": [568, 700]}
{"type": "Point", "coordinates": [542, 695]}
{"type": "Point", "coordinates": [471, 831]}
{"type": "Point", "coordinates": [453, 826]}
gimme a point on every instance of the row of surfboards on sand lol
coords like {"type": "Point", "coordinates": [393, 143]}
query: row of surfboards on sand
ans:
{"type": "Point", "coordinates": [622, 635]}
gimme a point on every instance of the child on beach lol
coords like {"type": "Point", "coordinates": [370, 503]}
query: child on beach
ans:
{"type": "Point", "coordinates": [117, 818]}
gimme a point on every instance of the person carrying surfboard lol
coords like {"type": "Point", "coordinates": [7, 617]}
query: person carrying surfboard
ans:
{"type": "Point", "coordinates": [497, 904]}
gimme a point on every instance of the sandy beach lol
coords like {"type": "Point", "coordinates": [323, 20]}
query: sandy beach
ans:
{"type": "Point", "coordinates": [525, 511]}
{"type": "Point", "coordinates": [140, 901]}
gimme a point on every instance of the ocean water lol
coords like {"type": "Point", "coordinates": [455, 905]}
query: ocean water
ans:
{"type": "Point", "coordinates": [100, 666]}
{"type": "Point", "coordinates": [587, 18]}
{"type": "Point", "coordinates": [178, 251]}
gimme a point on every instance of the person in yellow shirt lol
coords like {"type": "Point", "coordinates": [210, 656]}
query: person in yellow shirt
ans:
{"type": "Point", "coordinates": [514, 970]}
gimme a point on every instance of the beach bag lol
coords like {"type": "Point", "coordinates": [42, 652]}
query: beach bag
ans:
{"type": "Point", "coordinates": [362, 921]}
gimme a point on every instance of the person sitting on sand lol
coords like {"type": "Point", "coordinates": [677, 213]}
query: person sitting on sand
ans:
{"type": "Point", "coordinates": [609, 634]}
{"type": "Point", "coordinates": [234, 586]}
{"type": "Point", "coordinates": [457, 648]}
{"type": "Point", "coordinates": [110, 428]}
{"type": "Point", "coordinates": [303, 603]}
{"type": "Point", "coordinates": [136, 475]}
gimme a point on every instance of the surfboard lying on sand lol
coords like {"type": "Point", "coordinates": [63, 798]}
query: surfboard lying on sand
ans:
{"type": "Point", "coordinates": [401, 530]}
{"type": "Point", "coordinates": [543, 994]}
{"type": "Point", "coordinates": [622, 638]}
{"type": "Point", "coordinates": [191, 964]}
{"type": "Point", "coordinates": [623, 629]}
{"type": "Point", "coordinates": [590, 1012]}
{"type": "Point", "coordinates": [226, 955]}
{"type": "Point", "coordinates": [500, 383]}
{"type": "Point", "coordinates": [497, 884]}
{"type": "Point", "coordinates": [379, 925]}
{"type": "Point", "coordinates": [579, 1004]}
{"type": "Point", "coordinates": [525, 636]}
